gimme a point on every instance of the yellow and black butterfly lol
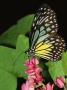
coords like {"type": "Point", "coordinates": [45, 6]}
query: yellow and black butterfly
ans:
{"type": "Point", "coordinates": [44, 40]}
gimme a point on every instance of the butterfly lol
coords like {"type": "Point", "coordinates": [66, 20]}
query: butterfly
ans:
{"type": "Point", "coordinates": [44, 41]}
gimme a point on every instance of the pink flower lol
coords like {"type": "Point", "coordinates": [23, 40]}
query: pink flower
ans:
{"type": "Point", "coordinates": [25, 86]}
{"type": "Point", "coordinates": [35, 74]}
{"type": "Point", "coordinates": [29, 85]}
{"type": "Point", "coordinates": [31, 82]}
{"type": "Point", "coordinates": [49, 86]}
{"type": "Point", "coordinates": [33, 71]}
{"type": "Point", "coordinates": [38, 75]}
{"type": "Point", "coordinates": [60, 81]}
{"type": "Point", "coordinates": [31, 63]}
{"type": "Point", "coordinates": [30, 71]}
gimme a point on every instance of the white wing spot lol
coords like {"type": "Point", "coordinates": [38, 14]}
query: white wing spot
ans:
{"type": "Point", "coordinates": [56, 43]}
{"type": "Point", "coordinates": [48, 29]}
{"type": "Point", "coordinates": [53, 26]}
{"type": "Point", "coordinates": [33, 24]}
{"type": "Point", "coordinates": [53, 42]}
{"type": "Point", "coordinates": [44, 12]}
{"type": "Point", "coordinates": [47, 24]}
{"type": "Point", "coordinates": [48, 12]}
{"type": "Point", "coordinates": [54, 20]}
{"type": "Point", "coordinates": [46, 20]}
{"type": "Point", "coordinates": [50, 17]}
{"type": "Point", "coordinates": [35, 19]}
{"type": "Point", "coordinates": [35, 28]}
{"type": "Point", "coordinates": [54, 16]}
{"type": "Point", "coordinates": [60, 50]}
{"type": "Point", "coordinates": [54, 51]}
{"type": "Point", "coordinates": [51, 22]}
{"type": "Point", "coordinates": [48, 9]}
{"type": "Point", "coordinates": [37, 22]}
{"type": "Point", "coordinates": [57, 39]}
{"type": "Point", "coordinates": [52, 38]}
{"type": "Point", "coordinates": [52, 31]}
{"type": "Point", "coordinates": [42, 28]}
{"type": "Point", "coordinates": [55, 55]}
{"type": "Point", "coordinates": [56, 24]}
{"type": "Point", "coordinates": [41, 8]}
{"type": "Point", "coordinates": [44, 8]}
{"type": "Point", "coordinates": [52, 11]}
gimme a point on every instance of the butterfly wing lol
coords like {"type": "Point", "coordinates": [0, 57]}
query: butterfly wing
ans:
{"type": "Point", "coordinates": [37, 37]}
{"type": "Point", "coordinates": [44, 23]}
{"type": "Point", "coordinates": [51, 49]}
{"type": "Point", "coordinates": [45, 19]}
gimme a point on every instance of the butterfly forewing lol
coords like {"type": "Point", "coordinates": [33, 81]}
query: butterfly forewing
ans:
{"type": "Point", "coordinates": [45, 19]}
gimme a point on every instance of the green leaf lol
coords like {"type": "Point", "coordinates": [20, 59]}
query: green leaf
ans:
{"type": "Point", "coordinates": [66, 82]}
{"type": "Point", "coordinates": [22, 27]}
{"type": "Point", "coordinates": [20, 56]}
{"type": "Point", "coordinates": [12, 64]}
{"type": "Point", "coordinates": [6, 58]}
{"type": "Point", "coordinates": [7, 81]}
{"type": "Point", "coordinates": [55, 69]}
{"type": "Point", "coordinates": [24, 24]}
{"type": "Point", "coordinates": [22, 43]}
{"type": "Point", "coordinates": [58, 68]}
{"type": "Point", "coordinates": [64, 62]}
{"type": "Point", "coordinates": [12, 60]}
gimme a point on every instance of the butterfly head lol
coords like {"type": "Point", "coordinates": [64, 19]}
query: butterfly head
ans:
{"type": "Point", "coordinates": [30, 52]}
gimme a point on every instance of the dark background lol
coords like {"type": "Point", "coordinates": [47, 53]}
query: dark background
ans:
{"type": "Point", "coordinates": [12, 10]}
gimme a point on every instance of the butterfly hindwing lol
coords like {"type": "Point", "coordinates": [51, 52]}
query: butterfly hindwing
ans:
{"type": "Point", "coordinates": [51, 49]}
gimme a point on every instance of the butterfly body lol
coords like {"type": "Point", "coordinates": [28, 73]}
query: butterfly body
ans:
{"type": "Point", "coordinates": [44, 40]}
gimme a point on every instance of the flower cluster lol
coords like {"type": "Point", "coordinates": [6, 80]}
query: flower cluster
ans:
{"type": "Point", "coordinates": [35, 79]}
{"type": "Point", "coordinates": [33, 70]}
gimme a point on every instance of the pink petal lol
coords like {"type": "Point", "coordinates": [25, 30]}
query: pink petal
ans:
{"type": "Point", "coordinates": [49, 86]}
{"type": "Point", "coordinates": [25, 86]}
{"type": "Point", "coordinates": [32, 62]}
{"type": "Point", "coordinates": [60, 82]}
{"type": "Point", "coordinates": [30, 71]}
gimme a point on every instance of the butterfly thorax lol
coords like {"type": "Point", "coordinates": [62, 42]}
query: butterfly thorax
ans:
{"type": "Point", "coordinates": [31, 52]}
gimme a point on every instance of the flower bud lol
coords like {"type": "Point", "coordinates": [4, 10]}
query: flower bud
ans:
{"type": "Point", "coordinates": [49, 86]}
{"type": "Point", "coordinates": [60, 81]}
